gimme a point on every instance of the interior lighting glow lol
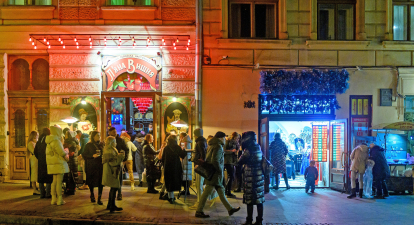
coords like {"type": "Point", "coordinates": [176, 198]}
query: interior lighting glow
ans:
{"type": "Point", "coordinates": [77, 47]}
{"type": "Point", "coordinates": [30, 38]}
{"type": "Point", "coordinates": [48, 46]}
{"type": "Point", "coordinates": [187, 48]}
{"type": "Point", "coordinates": [61, 42]}
{"type": "Point", "coordinates": [77, 43]}
{"type": "Point", "coordinates": [178, 40]}
{"type": "Point", "coordinates": [44, 39]}
{"type": "Point", "coordinates": [148, 40]}
{"type": "Point", "coordinates": [32, 42]}
{"type": "Point", "coordinates": [64, 47]}
{"type": "Point", "coordinates": [175, 48]}
{"type": "Point", "coordinates": [105, 39]}
{"type": "Point", "coordinates": [48, 43]}
{"type": "Point", "coordinates": [60, 39]}
{"type": "Point", "coordinates": [133, 39]}
{"type": "Point", "coordinates": [189, 40]}
{"type": "Point", "coordinates": [35, 47]}
{"type": "Point", "coordinates": [163, 40]}
{"type": "Point", "coordinates": [75, 39]}
{"type": "Point", "coordinates": [174, 43]}
{"type": "Point", "coordinates": [90, 38]}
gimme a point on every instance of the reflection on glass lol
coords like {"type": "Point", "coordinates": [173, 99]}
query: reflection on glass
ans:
{"type": "Point", "coordinates": [400, 22]}
{"type": "Point", "coordinates": [345, 22]}
{"type": "Point", "coordinates": [326, 22]}
{"type": "Point", "coordinates": [265, 20]}
{"type": "Point", "coordinates": [240, 21]}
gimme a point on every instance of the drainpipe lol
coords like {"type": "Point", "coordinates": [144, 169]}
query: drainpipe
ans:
{"type": "Point", "coordinates": [199, 60]}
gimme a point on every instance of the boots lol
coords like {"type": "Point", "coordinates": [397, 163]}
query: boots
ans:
{"type": "Point", "coordinates": [161, 196]}
{"type": "Point", "coordinates": [249, 221]}
{"type": "Point", "coordinates": [92, 197]}
{"type": "Point", "coordinates": [258, 221]}
{"type": "Point", "coordinates": [361, 191]}
{"type": "Point", "coordinates": [60, 200]}
{"type": "Point", "coordinates": [132, 187]}
{"type": "Point", "coordinates": [99, 200]}
{"type": "Point", "coordinates": [353, 193]}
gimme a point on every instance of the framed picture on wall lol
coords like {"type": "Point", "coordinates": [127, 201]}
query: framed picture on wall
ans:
{"type": "Point", "coordinates": [385, 97]}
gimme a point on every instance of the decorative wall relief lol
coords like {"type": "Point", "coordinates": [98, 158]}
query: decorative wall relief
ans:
{"type": "Point", "coordinates": [184, 3]}
{"type": "Point", "coordinates": [178, 14]}
{"type": "Point", "coordinates": [73, 59]}
{"type": "Point", "coordinates": [57, 114]}
{"type": "Point", "coordinates": [74, 86]}
{"type": "Point", "coordinates": [78, 9]}
{"type": "Point", "coordinates": [178, 87]}
{"type": "Point", "coordinates": [75, 73]}
{"type": "Point", "coordinates": [182, 73]}
{"type": "Point", "coordinates": [179, 59]}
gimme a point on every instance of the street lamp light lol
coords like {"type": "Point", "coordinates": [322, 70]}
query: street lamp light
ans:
{"type": "Point", "coordinates": [69, 120]}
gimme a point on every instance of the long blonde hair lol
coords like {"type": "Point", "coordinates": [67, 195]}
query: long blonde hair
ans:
{"type": "Point", "coordinates": [32, 135]}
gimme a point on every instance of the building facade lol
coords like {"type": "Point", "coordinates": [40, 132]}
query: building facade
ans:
{"type": "Point", "coordinates": [127, 64]}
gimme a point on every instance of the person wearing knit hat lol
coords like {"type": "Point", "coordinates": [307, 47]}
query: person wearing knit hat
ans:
{"type": "Point", "coordinates": [215, 157]}
{"type": "Point", "coordinates": [200, 154]}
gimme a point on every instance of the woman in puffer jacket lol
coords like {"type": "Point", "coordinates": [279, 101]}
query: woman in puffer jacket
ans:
{"type": "Point", "coordinates": [359, 157]}
{"type": "Point", "coordinates": [185, 142]}
{"type": "Point", "coordinates": [253, 177]}
{"type": "Point", "coordinates": [56, 160]}
{"type": "Point", "coordinates": [72, 144]}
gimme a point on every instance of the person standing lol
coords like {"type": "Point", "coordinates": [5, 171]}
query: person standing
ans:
{"type": "Point", "coordinates": [112, 160]}
{"type": "Point", "coordinates": [380, 171]}
{"type": "Point", "coordinates": [200, 154]}
{"type": "Point", "coordinates": [83, 140]}
{"type": "Point", "coordinates": [278, 151]}
{"type": "Point", "coordinates": [239, 168]}
{"type": "Point", "coordinates": [139, 158]}
{"type": "Point", "coordinates": [31, 143]}
{"type": "Point", "coordinates": [56, 159]}
{"type": "Point", "coordinates": [129, 162]}
{"type": "Point", "coordinates": [230, 159]}
{"type": "Point", "coordinates": [311, 175]}
{"type": "Point", "coordinates": [120, 146]}
{"type": "Point", "coordinates": [253, 177]}
{"type": "Point", "coordinates": [215, 156]}
{"type": "Point", "coordinates": [185, 143]}
{"type": "Point", "coordinates": [359, 157]}
{"type": "Point", "coordinates": [172, 166]}
{"type": "Point", "coordinates": [153, 172]}
{"type": "Point", "coordinates": [72, 144]}
{"type": "Point", "coordinates": [42, 176]}
{"type": "Point", "coordinates": [93, 165]}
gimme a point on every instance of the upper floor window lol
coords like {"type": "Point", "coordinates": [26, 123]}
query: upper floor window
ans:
{"type": "Point", "coordinates": [252, 18]}
{"type": "Point", "coordinates": [336, 19]}
{"type": "Point", "coordinates": [403, 20]}
{"type": "Point", "coordinates": [29, 2]}
{"type": "Point", "coordinates": [130, 2]}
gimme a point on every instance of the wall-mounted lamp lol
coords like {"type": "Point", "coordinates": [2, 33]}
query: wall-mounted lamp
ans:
{"type": "Point", "coordinates": [83, 101]}
{"type": "Point", "coordinates": [174, 98]}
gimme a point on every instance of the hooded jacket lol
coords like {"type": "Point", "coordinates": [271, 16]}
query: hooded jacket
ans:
{"type": "Point", "coordinates": [359, 157]}
{"type": "Point", "coordinates": [139, 157]}
{"type": "Point", "coordinates": [215, 156]}
{"type": "Point", "coordinates": [381, 169]}
{"type": "Point", "coordinates": [200, 149]}
{"type": "Point", "coordinates": [55, 155]}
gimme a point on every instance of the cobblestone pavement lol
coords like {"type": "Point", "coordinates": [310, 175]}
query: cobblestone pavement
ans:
{"type": "Point", "coordinates": [18, 205]}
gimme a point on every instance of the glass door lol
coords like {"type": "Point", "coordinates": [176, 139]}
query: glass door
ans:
{"type": "Point", "coordinates": [338, 145]}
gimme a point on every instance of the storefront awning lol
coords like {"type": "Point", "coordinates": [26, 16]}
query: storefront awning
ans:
{"type": "Point", "coordinates": [402, 126]}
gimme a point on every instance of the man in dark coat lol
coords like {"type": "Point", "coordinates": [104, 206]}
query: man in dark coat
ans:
{"type": "Point", "coordinates": [199, 154]}
{"type": "Point", "coordinates": [120, 146]}
{"type": "Point", "coordinates": [42, 177]}
{"type": "Point", "coordinates": [153, 171]}
{"type": "Point", "coordinates": [278, 151]}
{"type": "Point", "coordinates": [173, 171]}
{"type": "Point", "coordinates": [380, 172]}
{"type": "Point", "coordinates": [253, 177]}
{"type": "Point", "coordinates": [215, 157]}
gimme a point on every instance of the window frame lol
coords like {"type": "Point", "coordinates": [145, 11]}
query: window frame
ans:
{"type": "Point", "coordinates": [26, 3]}
{"type": "Point", "coordinates": [252, 19]}
{"type": "Point", "coordinates": [336, 3]}
{"type": "Point", "coordinates": [408, 3]}
{"type": "Point", "coordinates": [108, 3]}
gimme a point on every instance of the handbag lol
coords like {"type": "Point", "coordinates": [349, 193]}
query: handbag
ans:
{"type": "Point", "coordinates": [205, 169]}
{"type": "Point", "coordinates": [267, 167]}
{"type": "Point", "coordinates": [157, 162]}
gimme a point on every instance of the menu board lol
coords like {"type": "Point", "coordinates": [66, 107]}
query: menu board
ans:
{"type": "Point", "coordinates": [338, 131]}
{"type": "Point", "coordinates": [320, 143]}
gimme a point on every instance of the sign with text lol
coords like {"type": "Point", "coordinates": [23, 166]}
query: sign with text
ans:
{"type": "Point", "coordinates": [131, 64]}
{"type": "Point", "coordinates": [320, 143]}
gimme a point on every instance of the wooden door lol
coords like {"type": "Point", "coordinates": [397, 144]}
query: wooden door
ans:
{"type": "Point", "coordinates": [264, 144]}
{"type": "Point", "coordinates": [339, 155]}
{"type": "Point", "coordinates": [26, 115]}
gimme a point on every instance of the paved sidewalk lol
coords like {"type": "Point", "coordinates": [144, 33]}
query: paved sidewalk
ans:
{"type": "Point", "coordinates": [18, 205]}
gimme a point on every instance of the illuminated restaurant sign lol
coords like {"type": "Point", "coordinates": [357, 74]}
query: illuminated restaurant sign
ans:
{"type": "Point", "coordinates": [131, 64]}
{"type": "Point", "coordinates": [320, 143]}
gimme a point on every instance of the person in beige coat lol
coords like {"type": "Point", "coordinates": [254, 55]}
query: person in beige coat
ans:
{"type": "Point", "coordinates": [359, 157]}
{"type": "Point", "coordinates": [56, 160]}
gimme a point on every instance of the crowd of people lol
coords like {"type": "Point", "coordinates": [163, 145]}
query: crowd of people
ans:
{"type": "Point", "coordinates": [56, 154]}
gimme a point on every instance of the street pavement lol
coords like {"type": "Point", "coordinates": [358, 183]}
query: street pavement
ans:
{"type": "Point", "coordinates": [294, 206]}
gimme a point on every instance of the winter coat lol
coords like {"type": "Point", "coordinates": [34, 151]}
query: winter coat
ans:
{"type": "Point", "coordinates": [311, 173]}
{"type": "Point", "coordinates": [71, 143]}
{"type": "Point", "coordinates": [253, 176]}
{"type": "Point", "coordinates": [55, 155]}
{"type": "Point", "coordinates": [200, 149]}
{"type": "Point", "coordinates": [139, 158]}
{"type": "Point", "coordinates": [111, 167]}
{"type": "Point", "coordinates": [93, 166]}
{"type": "Point", "coordinates": [215, 156]}
{"type": "Point", "coordinates": [186, 162]}
{"type": "Point", "coordinates": [381, 169]}
{"type": "Point", "coordinates": [231, 157]}
{"type": "Point", "coordinates": [278, 151]}
{"type": "Point", "coordinates": [359, 157]}
{"type": "Point", "coordinates": [172, 166]}
{"type": "Point", "coordinates": [40, 153]}
{"type": "Point", "coordinates": [33, 161]}
{"type": "Point", "coordinates": [120, 145]}
{"type": "Point", "coordinates": [152, 171]}
{"type": "Point", "coordinates": [84, 138]}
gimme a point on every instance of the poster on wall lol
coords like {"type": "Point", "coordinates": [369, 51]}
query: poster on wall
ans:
{"type": "Point", "coordinates": [360, 128]}
{"type": "Point", "coordinates": [86, 115]}
{"type": "Point", "coordinates": [175, 111]}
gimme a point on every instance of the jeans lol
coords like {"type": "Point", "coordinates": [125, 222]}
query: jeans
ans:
{"type": "Point", "coordinates": [310, 183]}
{"type": "Point", "coordinates": [45, 192]}
{"type": "Point", "coordinates": [230, 177]}
{"type": "Point", "coordinates": [56, 188]}
{"type": "Point", "coordinates": [199, 186]}
{"type": "Point", "coordinates": [128, 165]}
{"type": "Point", "coordinates": [207, 192]}
{"type": "Point", "coordinates": [360, 179]}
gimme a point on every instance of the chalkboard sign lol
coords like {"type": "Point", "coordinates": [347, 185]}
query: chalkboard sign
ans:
{"type": "Point", "coordinates": [385, 97]}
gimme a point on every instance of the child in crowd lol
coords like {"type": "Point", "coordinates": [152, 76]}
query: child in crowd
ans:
{"type": "Point", "coordinates": [311, 175]}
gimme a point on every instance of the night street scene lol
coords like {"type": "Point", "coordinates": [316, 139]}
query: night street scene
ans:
{"type": "Point", "coordinates": [227, 112]}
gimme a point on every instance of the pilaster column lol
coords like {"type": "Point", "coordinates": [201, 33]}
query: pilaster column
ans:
{"type": "Point", "coordinates": [4, 149]}
{"type": "Point", "coordinates": [314, 20]}
{"type": "Point", "coordinates": [360, 21]}
{"type": "Point", "coordinates": [388, 21]}
{"type": "Point", "coordinates": [283, 33]}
